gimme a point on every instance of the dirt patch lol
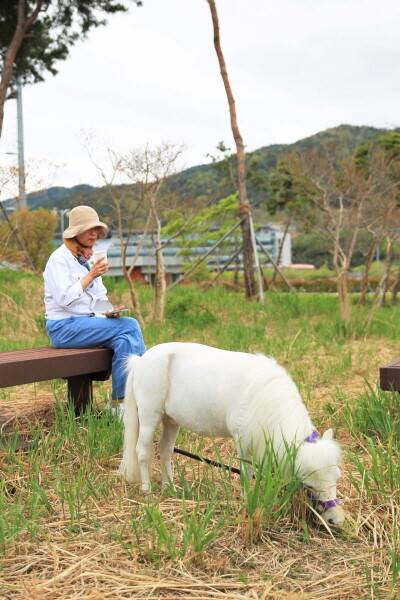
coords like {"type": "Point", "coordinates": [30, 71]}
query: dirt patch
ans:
{"type": "Point", "coordinates": [23, 409]}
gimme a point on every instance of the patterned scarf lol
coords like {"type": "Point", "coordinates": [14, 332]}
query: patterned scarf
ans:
{"type": "Point", "coordinates": [81, 253]}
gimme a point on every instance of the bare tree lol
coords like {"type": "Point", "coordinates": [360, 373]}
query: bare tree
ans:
{"type": "Point", "coordinates": [380, 219]}
{"type": "Point", "coordinates": [381, 288]}
{"type": "Point", "coordinates": [244, 207]}
{"type": "Point", "coordinates": [126, 209]}
{"type": "Point", "coordinates": [147, 200]}
{"type": "Point", "coordinates": [340, 197]}
{"type": "Point", "coordinates": [149, 170]}
{"type": "Point", "coordinates": [280, 249]}
{"type": "Point", "coordinates": [16, 243]}
{"type": "Point", "coordinates": [380, 163]}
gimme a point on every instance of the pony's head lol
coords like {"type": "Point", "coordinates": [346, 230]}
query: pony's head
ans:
{"type": "Point", "coordinates": [318, 462]}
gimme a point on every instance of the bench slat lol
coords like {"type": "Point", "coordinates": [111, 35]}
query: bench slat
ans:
{"type": "Point", "coordinates": [40, 364]}
{"type": "Point", "coordinates": [390, 376]}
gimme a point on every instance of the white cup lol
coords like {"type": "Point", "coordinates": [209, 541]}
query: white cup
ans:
{"type": "Point", "coordinates": [98, 254]}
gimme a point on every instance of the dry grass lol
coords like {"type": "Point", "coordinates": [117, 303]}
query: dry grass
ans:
{"type": "Point", "coordinates": [292, 563]}
{"type": "Point", "coordinates": [96, 558]}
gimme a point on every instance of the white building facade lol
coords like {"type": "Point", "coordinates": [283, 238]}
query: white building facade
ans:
{"type": "Point", "coordinates": [140, 253]}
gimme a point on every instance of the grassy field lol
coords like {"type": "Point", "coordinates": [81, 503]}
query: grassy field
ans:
{"type": "Point", "coordinates": [70, 527]}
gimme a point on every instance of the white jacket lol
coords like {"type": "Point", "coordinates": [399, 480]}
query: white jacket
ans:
{"type": "Point", "coordinates": [63, 293]}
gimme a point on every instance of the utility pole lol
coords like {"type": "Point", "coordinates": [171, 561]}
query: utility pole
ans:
{"type": "Point", "coordinates": [21, 159]}
{"type": "Point", "coordinates": [63, 212]}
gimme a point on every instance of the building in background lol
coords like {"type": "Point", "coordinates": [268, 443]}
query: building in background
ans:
{"type": "Point", "coordinates": [269, 236]}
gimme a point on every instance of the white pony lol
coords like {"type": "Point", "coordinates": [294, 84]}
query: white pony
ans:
{"type": "Point", "coordinates": [247, 397]}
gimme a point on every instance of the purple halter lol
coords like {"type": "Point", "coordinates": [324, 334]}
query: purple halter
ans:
{"type": "Point", "coordinates": [312, 438]}
{"type": "Point", "coordinates": [326, 503]}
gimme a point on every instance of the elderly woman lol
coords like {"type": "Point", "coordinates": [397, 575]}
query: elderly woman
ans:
{"type": "Point", "coordinates": [72, 288]}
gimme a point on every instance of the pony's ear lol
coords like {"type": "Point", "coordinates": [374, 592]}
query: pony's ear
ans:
{"type": "Point", "coordinates": [328, 435]}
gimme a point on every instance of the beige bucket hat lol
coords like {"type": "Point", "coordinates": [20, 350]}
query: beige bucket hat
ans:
{"type": "Point", "coordinates": [82, 218]}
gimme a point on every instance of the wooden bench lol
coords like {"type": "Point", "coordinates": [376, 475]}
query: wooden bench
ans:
{"type": "Point", "coordinates": [78, 366]}
{"type": "Point", "coordinates": [390, 376]}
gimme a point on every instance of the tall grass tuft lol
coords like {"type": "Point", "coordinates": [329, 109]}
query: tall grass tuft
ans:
{"type": "Point", "coordinates": [269, 495]}
{"type": "Point", "coordinates": [374, 414]}
{"type": "Point", "coordinates": [380, 476]}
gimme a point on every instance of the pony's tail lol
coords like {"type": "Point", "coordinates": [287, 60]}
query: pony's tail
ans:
{"type": "Point", "coordinates": [129, 464]}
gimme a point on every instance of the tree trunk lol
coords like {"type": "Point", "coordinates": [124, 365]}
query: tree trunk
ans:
{"type": "Point", "coordinates": [128, 275]}
{"type": "Point", "coordinates": [343, 294]}
{"type": "Point", "coordinates": [127, 271]}
{"type": "Point", "coordinates": [159, 279]}
{"type": "Point", "coordinates": [244, 207]}
{"type": "Point", "coordinates": [365, 280]}
{"type": "Point", "coordinates": [160, 286]}
{"type": "Point", "coordinates": [386, 275]}
{"type": "Point", "coordinates": [134, 297]}
{"type": "Point", "coordinates": [278, 259]}
{"type": "Point", "coordinates": [395, 289]}
{"type": "Point", "coordinates": [23, 24]}
{"type": "Point", "coordinates": [341, 268]}
{"type": "Point", "coordinates": [377, 299]}
{"type": "Point", "coordinates": [341, 264]}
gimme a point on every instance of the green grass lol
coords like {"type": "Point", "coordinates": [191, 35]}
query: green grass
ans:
{"type": "Point", "coordinates": [64, 491]}
{"type": "Point", "coordinates": [374, 413]}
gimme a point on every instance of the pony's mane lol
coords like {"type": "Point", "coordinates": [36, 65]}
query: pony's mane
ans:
{"type": "Point", "coordinates": [314, 458]}
{"type": "Point", "coordinates": [275, 409]}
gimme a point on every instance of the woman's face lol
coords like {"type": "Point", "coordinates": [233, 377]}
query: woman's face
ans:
{"type": "Point", "coordinates": [88, 238]}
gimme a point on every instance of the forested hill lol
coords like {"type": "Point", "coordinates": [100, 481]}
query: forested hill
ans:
{"type": "Point", "coordinates": [211, 180]}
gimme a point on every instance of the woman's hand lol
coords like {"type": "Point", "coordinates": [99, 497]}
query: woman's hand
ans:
{"type": "Point", "coordinates": [99, 268]}
{"type": "Point", "coordinates": [112, 315]}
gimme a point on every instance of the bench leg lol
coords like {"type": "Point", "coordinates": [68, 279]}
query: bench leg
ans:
{"type": "Point", "coordinates": [80, 392]}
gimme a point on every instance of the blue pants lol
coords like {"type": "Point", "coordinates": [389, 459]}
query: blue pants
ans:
{"type": "Point", "coordinates": [123, 335]}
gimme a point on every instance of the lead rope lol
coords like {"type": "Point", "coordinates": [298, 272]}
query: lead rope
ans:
{"type": "Point", "coordinates": [214, 463]}
{"type": "Point", "coordinates": [311, 439]}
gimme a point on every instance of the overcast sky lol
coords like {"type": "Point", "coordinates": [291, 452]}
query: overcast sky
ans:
{"type": "Point", "coordinates": [296, 67]}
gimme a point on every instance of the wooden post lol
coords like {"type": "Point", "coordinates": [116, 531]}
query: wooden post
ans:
{"type": "Point", "coordinates": [80, 392]}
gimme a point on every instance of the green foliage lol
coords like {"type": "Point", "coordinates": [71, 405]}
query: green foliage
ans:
{"type": "Point", "coordinates": [311, 248]}
{"type": "Point", "coordinates": [289, 193]}
{"type": "Point", "coordinates": [225, 166]}
{"type": "Point", "coordinates": [222, 211]}
{"type": "Point", "coordinates": [391, 145]}
{"type": "Point", "coordinates": [205, 181]}
{"type": "Point", "coordinates": [59, 25]}
{"type": "Point", "coordinates": [375, 414]}
{"type": "Point", "coordinates": [361, 157]}
{"type": "Point", "coordinates": [198, 234]}
{"type": "Point", "coordinates": [276, 482]}
{"type": "Point", "coordinates": [186, 309]}
{"type": "Point", "coordinates": [37, 229]}
{"type": "Point", "coordinates": [381, 475]}
{"type": "Point", "coordinates": [315, 249]}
